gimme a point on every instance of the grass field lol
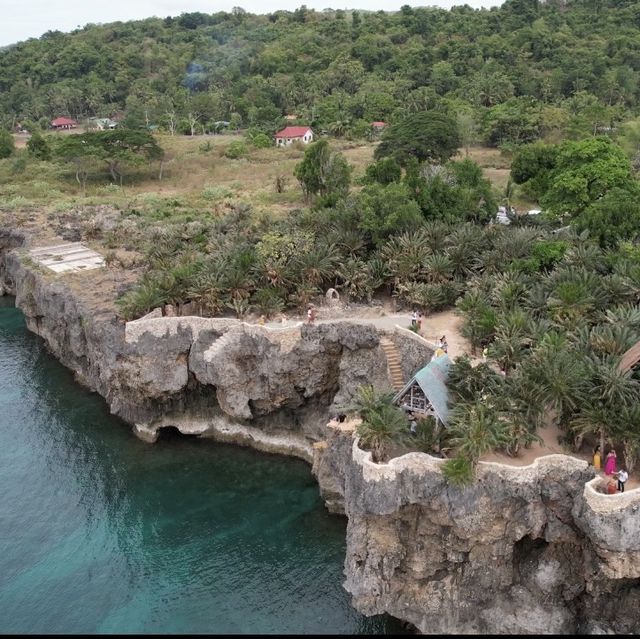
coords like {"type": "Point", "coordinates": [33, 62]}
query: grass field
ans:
{"type": "Point", "coordinates": [196, 174]}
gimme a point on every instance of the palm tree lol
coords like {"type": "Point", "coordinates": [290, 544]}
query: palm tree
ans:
{"type": "Point", "coordinates": [316, 265]}
{"type": "Point", "coordinates": [405, 254]}
{"type": "Point", "coordinates": [368, 400]}
{"type": "Point", "coordinates": [479, 318]}
{"type": "Point", "coordinates": [560, 376]}
{"type": "Point", "coordinates": [438, 268]}
{"type": "Point", "coordinates": [627, 315]}
{"type": "Point", "coordinates": [356, 278]}
{"type": "Point", "coordinates": [207, 290]}
{"type": "Point", "coordinates": [475, 430]}
{"type": "Point", "coordinates": [626, 426]}
{"type": "Point", "coordinates": [509, 345]}
{"type": "Point", "coordinates": [379, 428]}
{"type": "Point", "coordinates": [594, 418]}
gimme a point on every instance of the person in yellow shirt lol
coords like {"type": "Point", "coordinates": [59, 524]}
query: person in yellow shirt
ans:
{"type": "Point", "coordinates": [597, 461]}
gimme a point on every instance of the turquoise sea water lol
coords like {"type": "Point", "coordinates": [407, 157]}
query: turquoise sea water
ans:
{"type": "Point", "coordinates": [101, 533]}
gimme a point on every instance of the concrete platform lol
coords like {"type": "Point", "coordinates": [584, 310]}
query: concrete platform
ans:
{"type": "Point", "coordinates": [68, 257]}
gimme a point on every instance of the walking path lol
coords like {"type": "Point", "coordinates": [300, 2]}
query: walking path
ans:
{"type": "Point", "coordinates": [433, 326]}
{"type": "Point", "coordinates": [447, 323]}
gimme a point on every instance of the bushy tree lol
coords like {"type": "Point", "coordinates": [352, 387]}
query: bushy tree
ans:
{"type": "Point", "coordinates": [323, 172]}
{"type": "Point", "coordinates": [38, 147]}
{"type": "Point", "coordinates": [7, 145]}
{"type": "Point", "coordinates": [428, 136]}
{"type": "Point", "coordinates": [584, 172]}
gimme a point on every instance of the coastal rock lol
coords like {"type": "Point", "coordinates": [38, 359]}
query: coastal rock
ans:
{"type": "Point", "coordinates": [522, 550]}
{"type": "Point", "coordinates": [507, 554]}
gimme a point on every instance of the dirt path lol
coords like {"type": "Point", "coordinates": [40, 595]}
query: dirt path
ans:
{"type": "Point", "coordinates": [436, 325]}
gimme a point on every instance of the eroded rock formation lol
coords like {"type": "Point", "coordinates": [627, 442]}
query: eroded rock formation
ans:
{"type": "Point", "coordinates": [522, 550]}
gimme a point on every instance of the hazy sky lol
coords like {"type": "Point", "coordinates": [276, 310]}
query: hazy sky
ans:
{"type": "Point", "coordinates": [22, 19]}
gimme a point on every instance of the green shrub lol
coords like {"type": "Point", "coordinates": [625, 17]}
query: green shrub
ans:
{"type": "Point", "coordinates": [216, 193]}
{"type": "Point", "coordinates": [459, 471]}
{"type": "Point", "coordinates": [261, 141]}
{"type": "Point", "coordinates": [237, 149]}
{"type": "Point", "coordinates": [7, 145]}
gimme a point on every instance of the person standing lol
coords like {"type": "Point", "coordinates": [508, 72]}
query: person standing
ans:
{"type": "Point", "coordinates": [419, 321]}
{"type": "Point", "coordinates": [623, 475]}
{"type": "Point", "coordinates": [311, 314]}
{"type": "Point", "coordinates": [414, 319]}
{"type": "Point", "coordinates": [610, 463]}
{"type": "Point", "coordinates": [597, 462]}
{"type": "Point", "coordinates": [445, 346]}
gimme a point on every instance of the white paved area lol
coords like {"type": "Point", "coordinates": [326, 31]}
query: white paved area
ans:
{"type": "Point", "coordinates": [69, 257]}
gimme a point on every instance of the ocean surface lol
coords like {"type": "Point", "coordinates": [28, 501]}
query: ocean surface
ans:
{"type": "Point", "coordinates": [102, 533]}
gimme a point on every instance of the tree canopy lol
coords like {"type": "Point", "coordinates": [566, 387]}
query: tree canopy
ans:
{"type": "Point", "coordinates": [429, 136]}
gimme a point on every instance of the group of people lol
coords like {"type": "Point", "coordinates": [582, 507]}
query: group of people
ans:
{"type": "Point", "coordinates": [416, 320]}
{"type": "Point", "coordinates": [610, 470]}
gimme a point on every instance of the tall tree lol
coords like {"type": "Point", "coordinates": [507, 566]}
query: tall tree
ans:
{"type": "Point", "coordinates": [429, 136]}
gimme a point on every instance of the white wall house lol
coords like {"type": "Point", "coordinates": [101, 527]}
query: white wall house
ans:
{"type": "Point", "coordinates": [291, 134]}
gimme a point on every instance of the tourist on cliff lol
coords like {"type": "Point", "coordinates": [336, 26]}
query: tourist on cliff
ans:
{"type": "Point", "coordinates": [623, 475]}
{"type": "Point", "coordinates": [610, 463]}
{"type": "Point", "coordinates": [597, 463]}
{"type": "Point", "coordinates": [311, 314]}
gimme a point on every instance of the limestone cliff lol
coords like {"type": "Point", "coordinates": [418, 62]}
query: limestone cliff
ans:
{"type": "Point", "coordinates": [202, 375]}
{"type": "Point", "coordinates": [522, 550]}
{"type": "Point", "coordinates": [531, 549]}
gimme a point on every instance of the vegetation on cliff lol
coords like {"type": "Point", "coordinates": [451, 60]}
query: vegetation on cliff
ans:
{"type": "Point", "coordinates": [553, 298]}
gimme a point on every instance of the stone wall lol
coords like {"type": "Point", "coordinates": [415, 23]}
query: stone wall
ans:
{"type": "Point", "coordinates": [522, 550]}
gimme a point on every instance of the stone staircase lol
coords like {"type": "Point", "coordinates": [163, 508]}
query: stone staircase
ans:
{"type": "Point", "coordinates": [393, 363]}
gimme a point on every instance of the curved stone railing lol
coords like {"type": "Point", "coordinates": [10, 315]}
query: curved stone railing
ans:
{"type": "Point", "coordinates": [600, 502]}
{"type": "Point", "coordinates": [421, 463]}
{"type": "Point", "coordinates": [405, 332]}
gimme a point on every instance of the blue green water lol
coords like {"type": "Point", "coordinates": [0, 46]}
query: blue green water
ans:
{"type": "Point", "coordinates": [101, 533]}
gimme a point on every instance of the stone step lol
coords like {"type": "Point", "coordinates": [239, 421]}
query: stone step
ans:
{"type": "Point", "coordinates": [394, 366]}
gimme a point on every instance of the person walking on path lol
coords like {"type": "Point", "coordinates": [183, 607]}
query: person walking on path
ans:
{"type": "Point", "coordinates": [419, 320]}
{"type": "Point", "coordinates": [311, 314]}
{"type": "Point", "coordinates": [610, 463]}
{"type": "Point", "coordinates": [597, 461]}
{"type": "Point", "coordinates": [414, 319]}
{"type": "Point", "coordinates": [623, 475]}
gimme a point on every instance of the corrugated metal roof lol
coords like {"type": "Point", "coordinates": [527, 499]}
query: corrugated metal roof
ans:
{"type": "Point", "coordinates": [432, 379]}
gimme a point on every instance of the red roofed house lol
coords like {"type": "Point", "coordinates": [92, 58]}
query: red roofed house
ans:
{"type": "Point", "coordinates": [291, 134]}
{"type": "Point", "coordinates": [64, 123]}
{"type": "Point", "coordinates": [378, 126]}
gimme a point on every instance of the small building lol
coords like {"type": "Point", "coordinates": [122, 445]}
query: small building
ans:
{"type": "Point", "coordinates": [378, 126]}
{"type": "Point", "coordinates": [290, 116]}
{"type": "Point", "coordinates": [426, 393]}
{"type": "Point", "coordinates": [63, 123]}
{"type": "Point", "coordinates": [291, 134]}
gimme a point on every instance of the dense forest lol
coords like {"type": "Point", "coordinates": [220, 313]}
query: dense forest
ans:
{"type": "Point", "coordinates": [551, 300]}
{"type": "Point", "coordinates": [525, 70]}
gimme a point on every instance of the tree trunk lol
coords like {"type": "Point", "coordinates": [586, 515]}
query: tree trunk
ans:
{"type": "Point", "coordinates": [577, 442]}
{"type": "Point", "coordinates": [629, 455]}
{"type": "Point", "coordinates": [113, 172]}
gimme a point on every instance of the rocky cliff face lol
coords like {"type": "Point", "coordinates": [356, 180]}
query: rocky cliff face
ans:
{"type": "Point", "coordinates": [522, 550]}
{"type": "Point", "coordinates": [202, 375]}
